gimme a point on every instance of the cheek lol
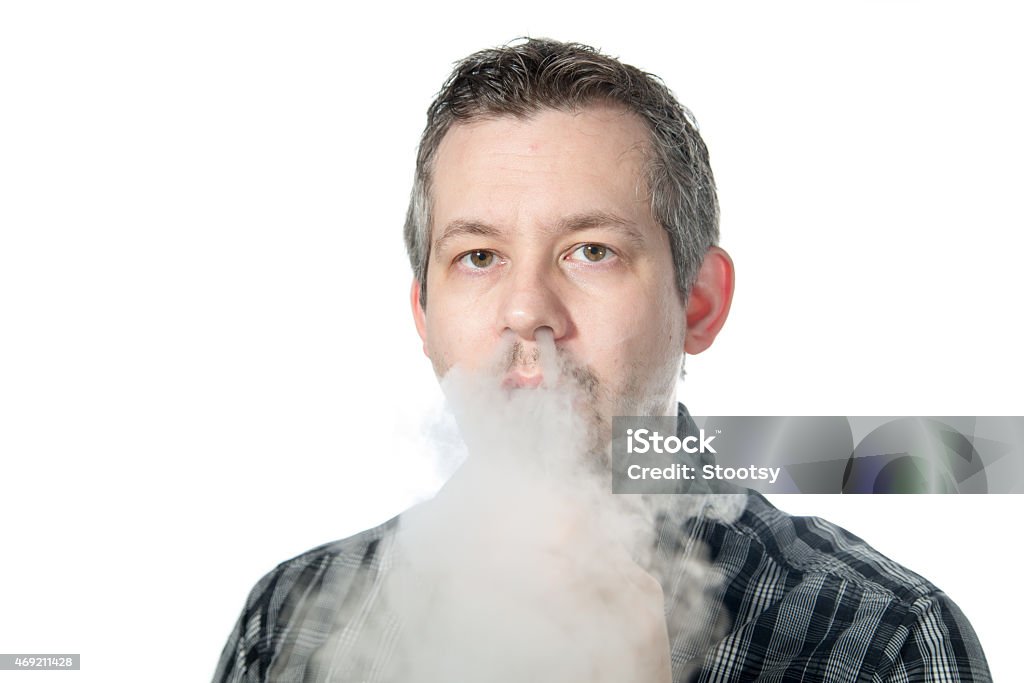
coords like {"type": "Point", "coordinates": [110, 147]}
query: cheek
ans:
{"type": "Point", "coordinates": [456, 337]}
{"type": "Point", "coordinates": [660, 346]}
{"type": "Point", "coordinates": [640, 340]}
{"type": "Point", "coordinates": [671, 315]}
{"type": "Point", "coordinates": [636, 321]}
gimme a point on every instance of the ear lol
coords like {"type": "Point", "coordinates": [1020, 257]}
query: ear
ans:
{"type": "Point", "coordinates": [709, 302]}
{"type": "Point", "coordinates": [419, 316]}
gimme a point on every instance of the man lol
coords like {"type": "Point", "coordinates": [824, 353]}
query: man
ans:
{"type": "Point", "coordinates": [565, 201]}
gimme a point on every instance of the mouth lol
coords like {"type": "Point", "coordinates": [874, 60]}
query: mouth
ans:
{"type": "Point", "coordinates": [517, 380]}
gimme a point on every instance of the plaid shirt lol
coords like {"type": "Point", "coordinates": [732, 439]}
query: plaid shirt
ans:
{"type": "Point", "coordinates": [803, 600]}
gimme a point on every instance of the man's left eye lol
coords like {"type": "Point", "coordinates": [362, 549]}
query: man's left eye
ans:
{"type": "Point", "coordinates": [592, 252]}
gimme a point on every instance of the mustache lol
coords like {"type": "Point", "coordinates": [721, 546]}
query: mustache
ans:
{"type": "Point", "coordinates": [519, 357]}
{"type": "Point", "coordinates": [582, 375]}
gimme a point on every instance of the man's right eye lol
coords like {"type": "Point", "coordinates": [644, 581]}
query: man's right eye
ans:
{"type": "Point", "coordinates": [479, 259]}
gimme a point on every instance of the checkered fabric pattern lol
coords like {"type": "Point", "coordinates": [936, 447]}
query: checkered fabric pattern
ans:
{"type": "Point", "coordinates": [800, 599]}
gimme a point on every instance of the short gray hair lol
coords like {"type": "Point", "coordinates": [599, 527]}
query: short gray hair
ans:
{"type": "Point", "coordinates": [527, 76]}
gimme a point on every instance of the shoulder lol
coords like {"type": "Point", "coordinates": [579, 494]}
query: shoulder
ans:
{"type": "Point", "coordinates": [296, 603]}
{"type": "Point", "coordinates": [808, 598]}
{"type": "Point", "coordinates": [813, 547]}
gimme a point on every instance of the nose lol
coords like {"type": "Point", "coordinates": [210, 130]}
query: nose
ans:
{"type": "Point", "coordinates": [532, 301]}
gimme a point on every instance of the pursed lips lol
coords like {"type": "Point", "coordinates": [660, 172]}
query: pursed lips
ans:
{"type": "Point", "coordinates": [518, 380]}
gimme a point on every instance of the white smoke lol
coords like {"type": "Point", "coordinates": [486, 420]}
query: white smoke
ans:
{"type": "Point", "coordinates": [525, 567]}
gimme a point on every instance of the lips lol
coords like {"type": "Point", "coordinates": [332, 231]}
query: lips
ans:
{"type": "Point", "coordinates": [517, 380]}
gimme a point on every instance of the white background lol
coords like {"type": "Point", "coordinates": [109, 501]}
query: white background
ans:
{"type": "Point", "coordinates": [207, 363]}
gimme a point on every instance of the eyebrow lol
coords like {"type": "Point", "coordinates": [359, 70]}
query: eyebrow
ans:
{"type": "Point", "coordinates": [572, 223]}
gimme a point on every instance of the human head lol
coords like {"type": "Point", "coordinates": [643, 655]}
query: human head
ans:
{"type": "Point", "coordinates": [532, 177]}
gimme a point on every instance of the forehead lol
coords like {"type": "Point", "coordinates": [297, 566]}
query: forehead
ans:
{"type": "Point", "coordinates": [513, 171]}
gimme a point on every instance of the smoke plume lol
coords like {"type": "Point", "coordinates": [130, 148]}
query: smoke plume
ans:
{"type": "Point", "coordinates": [525, 567]}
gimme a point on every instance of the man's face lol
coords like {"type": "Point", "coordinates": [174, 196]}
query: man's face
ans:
{"type": "Point", "coordinates": [546, 223]}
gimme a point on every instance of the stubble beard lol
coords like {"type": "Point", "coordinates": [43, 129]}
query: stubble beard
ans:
{"type": "Point", "coordinates": [594, 401]}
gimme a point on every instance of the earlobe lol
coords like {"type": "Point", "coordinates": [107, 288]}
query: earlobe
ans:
{"type": "Point", "coordinates": [710, 299]}
{"type": "Point", "coordinates": [419, 316]}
